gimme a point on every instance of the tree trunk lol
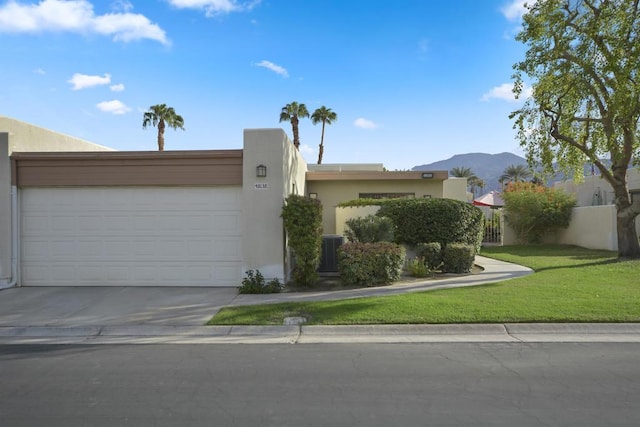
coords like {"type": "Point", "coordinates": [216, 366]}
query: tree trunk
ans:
{"type": "Point", "coordinates": [628, 246]}
{"type": "Point", "coordinates": [294, 128]}
{"type": "Point", "coordinates": [626, 213]}
{"type": "Point", "coordinates": [161, 136]}
{"type": "Point", "coordinates": [321, 148]}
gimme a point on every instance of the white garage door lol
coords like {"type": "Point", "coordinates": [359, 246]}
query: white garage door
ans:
{"type": "Point", "coordinates": [131, 236]}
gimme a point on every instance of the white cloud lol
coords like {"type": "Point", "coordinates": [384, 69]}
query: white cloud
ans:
{"type": "Point", "coordinates": [113, 107]}
{"type": "Point", "coordinates": [40, 71]}
{"type": "Point", "coordinates": [77, 16]}
{"type": "Point", "coordinates": [83, 81]}
{"type": "Point", "coordinates": [122, 5]}
{"type": "Point", "coordinates": [514, 10]}
{"type": "Point", "coordinates": [273, 67]}
{"type": "Point", "coordinates": [308, 152]}
{"type": "Point", "coordinates": [505, 93]}
{"type": "Point", "coordinates": [215, 7]}
{"type": "Point", "coordinates": [363, 123]}
{"type": "Point", "coordinates": [117, 88]}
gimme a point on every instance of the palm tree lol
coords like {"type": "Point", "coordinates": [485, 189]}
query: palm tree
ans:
{"type": "Point", "coordinates": [515, 173]}
{"type": "Point", "coordinates": [327, 117]}
{"type": "Point", "coordinates": [160, 115]}
{"type": "Point", "coordinates": [476, 185]}
{"type": "Point", "coordinates": [472, 180]}
{"type": "Point", "coordinates": [462, 172]}
{"type": "Point", "coordinates": [291, 113]}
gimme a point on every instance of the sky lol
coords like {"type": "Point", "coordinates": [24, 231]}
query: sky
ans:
{"type": "Point", "coordinates": [411, 81]}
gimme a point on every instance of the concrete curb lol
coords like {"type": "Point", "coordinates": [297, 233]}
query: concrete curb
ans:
{"type": "Point", "coordinates": [322, 334]}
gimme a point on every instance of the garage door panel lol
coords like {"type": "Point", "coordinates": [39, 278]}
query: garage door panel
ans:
{"type": "Point", "coordinates": [131, 236]}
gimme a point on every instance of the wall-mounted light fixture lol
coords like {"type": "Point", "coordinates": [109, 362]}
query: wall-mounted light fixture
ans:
{"type": "Point", "coordinates": [427, 175]}
{"type": "Point", "coordinates": [261, 171]}
{"type": "Point", "coordinates": [313, 195]}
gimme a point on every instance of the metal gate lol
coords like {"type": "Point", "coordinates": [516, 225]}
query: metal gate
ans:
{"type": "Point", "coordinates": [493, 227]}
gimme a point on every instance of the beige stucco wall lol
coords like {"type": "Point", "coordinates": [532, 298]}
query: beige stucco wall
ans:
{"type": "Point", "coordinates": [455, 188]}
{"type": "Point", "coordinates": [346, 213]}
{"type": "Point", "coordinates": [262, 198]}
{"type": "Point", "coordinates": [5, 208]}
{"type": "Point", "coordinates": [593, 222]}
{"type": "Point", "coordinates": [595, 190]}
{"type": "Point", "coordinates": [331, 193]}
{"type": "Point", "coordinates": [592, 227]}
{"type": "Point", "coordinates": [27, 137]}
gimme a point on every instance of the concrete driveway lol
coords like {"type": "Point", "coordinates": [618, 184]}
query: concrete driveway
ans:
{"type": "Point", "coordinates": [189, 306]}
{"type": "Point", "coordinates": [109, 306]}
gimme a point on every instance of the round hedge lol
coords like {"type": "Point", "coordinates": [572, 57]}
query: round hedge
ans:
{"type": "Point", "coordinates": [434, 220]}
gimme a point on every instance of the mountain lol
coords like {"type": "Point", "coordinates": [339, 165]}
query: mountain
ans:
{"type": "Point", "coordinates": [488, 167]}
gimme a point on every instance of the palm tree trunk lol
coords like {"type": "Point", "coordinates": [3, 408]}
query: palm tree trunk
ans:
{"type": "Point", "coordinates": [294, 128]}
{"type": "Point", "coordinates": [161, 136]}
{"type": "Point", "coordinates": [321, 148]}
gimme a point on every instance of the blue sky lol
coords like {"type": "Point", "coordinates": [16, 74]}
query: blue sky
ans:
{"type": "Point", "coordinates": [412, 81]}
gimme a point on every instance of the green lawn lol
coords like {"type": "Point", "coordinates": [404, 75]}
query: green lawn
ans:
{"type": "Point", "coordinates": [570, 284]}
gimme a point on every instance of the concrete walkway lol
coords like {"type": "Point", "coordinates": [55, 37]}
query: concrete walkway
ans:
{"type": "Point", "coordinates": [128, 315]}
{"type": "Point", "coordinates": [494, 271]}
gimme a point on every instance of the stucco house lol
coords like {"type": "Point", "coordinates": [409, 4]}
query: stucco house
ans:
{"type": "Point", "coordinates": [74, 213]}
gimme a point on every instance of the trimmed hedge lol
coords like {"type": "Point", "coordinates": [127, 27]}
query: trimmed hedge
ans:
{"type": "Point", "coordinates": [434, 220]}
{"type": "Point", "coordinates": [458, 258]}
{"type": "Point", "coordinates": [369, 229]}
{"type": "Point", "coordinates": [370, 264]}
{"type": "Point", "coordinates": [431, 253]}
{"type": "Point", "coordinates": [302, 219]}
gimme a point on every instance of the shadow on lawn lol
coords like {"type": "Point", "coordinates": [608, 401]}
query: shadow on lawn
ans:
{"type": "Point", "coordinates": [586, 264]}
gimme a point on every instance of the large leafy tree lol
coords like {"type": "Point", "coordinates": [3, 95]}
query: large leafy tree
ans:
{"type": "Point", "coordinates": [325, 116]}
{"type": "Point", "coordinates": [583, 59]}
{"type": "Point", "coordinates": [161, 116]}
{"type": "Point", "coordinates": [515, 173]}
{"type": "Point", "coordinates": [292, 113]}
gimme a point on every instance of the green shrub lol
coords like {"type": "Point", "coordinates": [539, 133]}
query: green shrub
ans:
{"type": "Point", "coordinates": [362, 202]}
{"type": "Point", "coordinates": [434, 220]}
{"type": "Point", "coordinates": [418, 268]}
{"type": "Point", "coordinates": [302, 219]}
{"type": "Point", "coordinates": [369, 229]}
{"type": "Point", "coordinates": [254, 283]}
{"type": "Point", "coordinates": [431, 253]}
{"type": "Point", "coordinates": [370, 264]}
{"type": "Point", "coordinates": [458, 258]}
{"type": "Point", "coordinates": [533, 210]}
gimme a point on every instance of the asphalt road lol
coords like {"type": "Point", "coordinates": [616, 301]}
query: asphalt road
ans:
{"type": "Point", "coordinates": [504, 384]}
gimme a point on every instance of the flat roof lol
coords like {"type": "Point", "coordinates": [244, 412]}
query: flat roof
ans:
{"type": "Point", "coordinates": [375, 175]}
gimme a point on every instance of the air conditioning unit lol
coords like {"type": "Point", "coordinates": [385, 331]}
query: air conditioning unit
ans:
{"type": "Point", "coordinates": [329, 255]}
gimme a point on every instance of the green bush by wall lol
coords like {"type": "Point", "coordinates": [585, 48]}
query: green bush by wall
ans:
{"type": "Point", "coordinates": [431, 253]}
{"type": "Point", "coordinates": [369, 229]}
{"type": "Point", "coordinates": [458, 258]}
{"type": "Point", "coordinates": [370, 264]}
{"type": "Point", "coordinates": [434, 220]}
{"type": "Point", "coordinates": [302, 219]}
{"type": "Point", "coordinates": [533, 210]}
